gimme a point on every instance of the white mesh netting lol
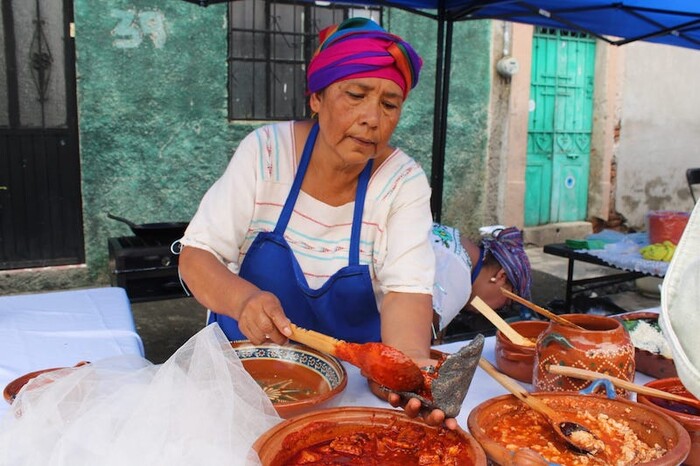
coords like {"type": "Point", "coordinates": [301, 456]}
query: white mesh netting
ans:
{"type": "Point", "coordinates": [199, 407]}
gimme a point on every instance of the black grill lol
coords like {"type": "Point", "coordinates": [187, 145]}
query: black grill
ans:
{"type": "Point", "coordinates": [146, 269]}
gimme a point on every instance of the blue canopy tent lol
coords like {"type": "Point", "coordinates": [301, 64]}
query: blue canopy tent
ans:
{"type": "Point", "coordinates": [672, 22]}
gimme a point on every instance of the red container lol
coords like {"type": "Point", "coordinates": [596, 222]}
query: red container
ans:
{"type": "Point", "coordinates": [688, 417]}
{"type": "Point", "coordinates": [666, 225]}
{"type": "Point", "coordinates": [515, 360]}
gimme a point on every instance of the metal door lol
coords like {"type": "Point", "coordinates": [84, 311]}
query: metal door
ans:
{"type": "Point", "coordinates": [40, 200]}
{"type": "Point", "coordinates": [559, 131]}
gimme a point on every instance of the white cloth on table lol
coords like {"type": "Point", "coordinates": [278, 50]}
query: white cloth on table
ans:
{"type": "Point", "coordinates": [680, 305]}
{"type": "Point", "coordinates": [249, 196]}
{"type": "Point", "coordinates": [624, 254]}
{"type": "Point", "coordinates": [60, 329]}
{"type": "Point", "coordinates": [199, 407]}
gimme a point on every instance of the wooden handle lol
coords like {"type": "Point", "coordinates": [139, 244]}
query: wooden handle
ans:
{"type": "Point", "coordinates": [585, 374]}
{"type": "Point", "coordinates": [540, 310]}
{"type": "Point", "coordinates": [315, 340]}
{"type": "Point", "coordinates": [500, 324]}
{"type": "Point", "coordinates": [516, 389]}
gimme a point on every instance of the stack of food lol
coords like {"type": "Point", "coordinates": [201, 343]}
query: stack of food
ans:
{"type": "Point", "coordinates": [652, 351]}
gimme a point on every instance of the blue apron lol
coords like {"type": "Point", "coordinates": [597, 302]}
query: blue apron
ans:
{"type": "Point", "coordinates": [344, 307]}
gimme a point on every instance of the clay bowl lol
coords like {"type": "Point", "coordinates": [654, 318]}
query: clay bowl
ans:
{"type": "Point", "coordinates": [281, 443]}
{"type": "Point", "coordinates": [13, 388]}
{"type": "Point", "coordinates": [516, 360]}
{"type": "Point", "coordinates": [649, 424]}
{"type": "Point", "coordinates": [296, 378]}
{"type": "Point", "coordinates": [651, 364]}
{"type": "Point", "coordinates": [688, 416]}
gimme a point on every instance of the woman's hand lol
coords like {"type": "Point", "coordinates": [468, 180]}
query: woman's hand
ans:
{"type": "Point", "coordinates": [259, 313]}
{"type": "Point", "coordinates": [414, 408]}
{"type": "Point", "coordinates": [262, 319]}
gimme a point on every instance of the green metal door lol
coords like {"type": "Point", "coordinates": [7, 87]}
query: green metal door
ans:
{"type": "Point", "coordinates": [559, 128]}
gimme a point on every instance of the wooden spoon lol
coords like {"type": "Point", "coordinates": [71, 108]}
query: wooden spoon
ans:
{"type": "Point", "coordinates": [585, 374]}
{"type": "Point", "coordinates": [500, 324]}
{"type": "Point", "coordinates": [576, 436]}
{"type": "Point", "coordinates": [540, 310]}
{"type": "Point", "coordinates": [379, 362]}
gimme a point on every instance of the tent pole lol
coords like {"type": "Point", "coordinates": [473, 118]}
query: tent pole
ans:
{"type": "Point", "coordinates": [438, 159]}
{"type": "Point", "coordinates": [445, 100]}
{"type": "Point", "coordinates": [442, 91]}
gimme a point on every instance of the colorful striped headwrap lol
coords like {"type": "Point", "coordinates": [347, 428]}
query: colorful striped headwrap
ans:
{"type": "Point", "coordinates": [506, 246]}
{"type": "Point", "coordinates": [360, 48]}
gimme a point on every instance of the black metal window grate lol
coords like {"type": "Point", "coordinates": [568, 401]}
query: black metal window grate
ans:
{"type": "Point", "coordinates": [270, 44]}
{"type": "Point", "coordinates": [541, 30]}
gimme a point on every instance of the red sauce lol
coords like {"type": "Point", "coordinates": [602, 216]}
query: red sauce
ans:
{"type": "Point", "coordinates": [426, 391]}
{"type": "Point", "coordinates": [677, 406]}
{"type": "Point", "coordinates": [403, 444]}
{"type": "Point", "coordinates": [383, 364]}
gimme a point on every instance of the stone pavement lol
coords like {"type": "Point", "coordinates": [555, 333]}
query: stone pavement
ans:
{"type": "Point", "coordinates": [166, 325]}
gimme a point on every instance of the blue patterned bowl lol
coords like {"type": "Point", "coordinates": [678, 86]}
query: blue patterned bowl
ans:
{"type": "Point", "coordinates": [296, 378]}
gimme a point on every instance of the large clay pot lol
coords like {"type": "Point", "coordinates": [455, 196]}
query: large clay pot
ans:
{"type": "Point", "coordinates": [281, 443]}
{"type": "Point", "coordinates": [688, 416]}
{"type": "Point", "coordinates": [603, 345]}
{"type": "Point", "coordinates": [649, 424]}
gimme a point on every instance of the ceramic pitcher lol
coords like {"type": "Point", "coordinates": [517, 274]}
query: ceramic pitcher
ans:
{"type": "Point", "coordinates": [602, 345]}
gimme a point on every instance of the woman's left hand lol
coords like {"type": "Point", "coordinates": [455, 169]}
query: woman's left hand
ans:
{"type": "Point", "coordinates": [414, 408]}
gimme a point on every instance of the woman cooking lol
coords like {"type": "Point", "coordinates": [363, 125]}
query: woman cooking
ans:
{"type": "Point", "coordinates": [323, 223]}
{"type": "Point", "coordinates": [465, 270]}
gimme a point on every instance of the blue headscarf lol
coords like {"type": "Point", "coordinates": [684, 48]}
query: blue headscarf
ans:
{"type": "Point", "coordinates": [506, 246]}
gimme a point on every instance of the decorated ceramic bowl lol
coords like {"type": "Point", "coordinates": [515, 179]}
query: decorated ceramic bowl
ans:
{"type": "Point", "coordinates": [688, 416]}
{"type": "Point", "coordinates": [365, 436]}
{"type": "Point", "coordinates": [506, 429]}
{"type": "Point", "coordinates": [296, 378]}
{"type": "Point", "coordinates": [516, 360]}
{"type": "Point", "coordinates": [651, 352]}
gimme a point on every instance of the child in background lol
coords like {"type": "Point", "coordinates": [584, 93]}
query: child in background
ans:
{"type": "Point", "coordinates": [464, 270]}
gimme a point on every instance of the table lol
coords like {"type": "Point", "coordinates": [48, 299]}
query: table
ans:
{"type": "Point", "coordinates": [562, 250]}
{"type": "Point", "coordinates": [482, 388]}
{"type": "Point", "coordinates": [60, 329]}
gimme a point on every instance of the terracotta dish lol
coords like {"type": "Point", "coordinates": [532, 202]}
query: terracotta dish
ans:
{"type": "Point", "coordinates": [650, 425]}
{"type": "Point", "coordinates": [366, 436]}
{"type": "Point", "coordinates": [651, 364]}
{"type": "Point", "coordinates": [516, 360]}
{"type": "Point", "coordinates": [296, 378]}
{"type": "Point", "coordinates": [13, 388]}
{"type": "Point", "coordinates": [688, 416]}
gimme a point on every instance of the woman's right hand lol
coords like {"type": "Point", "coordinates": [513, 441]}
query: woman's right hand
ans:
{"type": "Point", "coordinates": [259, 313]}
{"type": "Point", "coordinates": [262, 319]}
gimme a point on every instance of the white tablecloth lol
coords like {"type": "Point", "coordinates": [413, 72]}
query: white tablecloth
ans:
{"type": "Point", "coordinates": [482, 388]}
{"type": "Point", "coordinates": [59, 329]}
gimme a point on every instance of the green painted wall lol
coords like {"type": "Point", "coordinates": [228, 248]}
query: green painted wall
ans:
{"type": "Point", "coordinates": [154, 133]}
